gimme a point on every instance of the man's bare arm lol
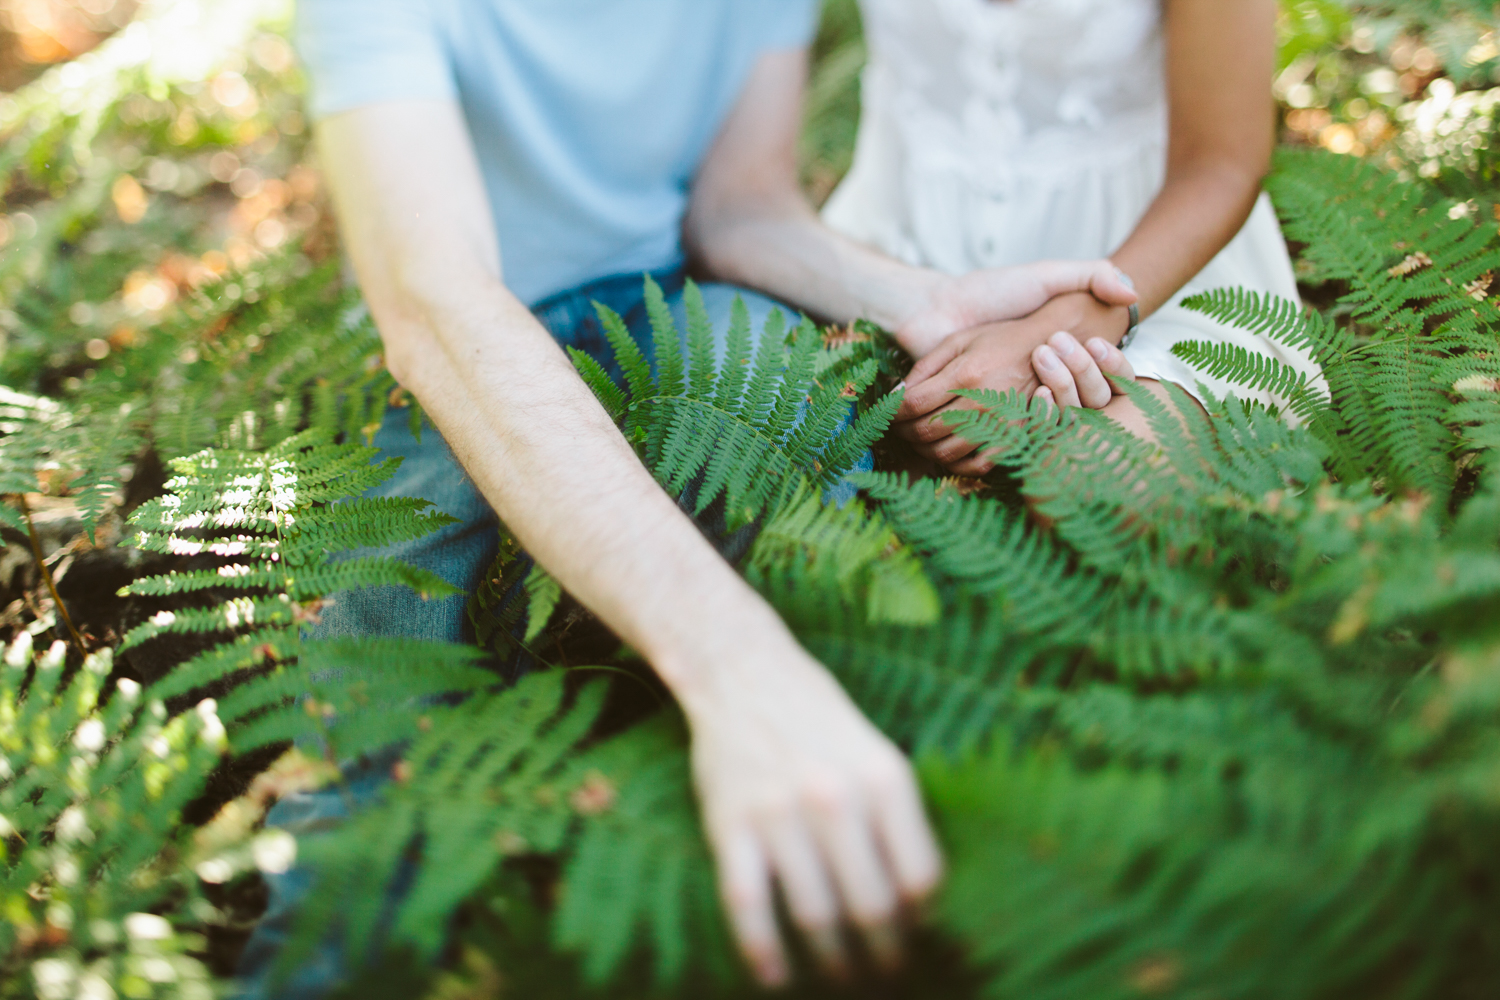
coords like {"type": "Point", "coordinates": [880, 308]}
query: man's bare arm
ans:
{"type": "Point", "coordinates": [749, 223]}
{"type": "Point", "coordinates": [794, 783]}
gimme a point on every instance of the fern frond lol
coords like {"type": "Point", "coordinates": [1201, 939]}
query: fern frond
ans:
{"type": "Point", "coordinates": [640, 877]}
{"type": "Point", "coordinates": [90, 799]}
{"type": "Point", "coordinates": [542, 594]}
{"type": "Point", "coordinates": [361, 694]}
{"type": "Point", "coordinates": [986, 548]}
{"type": "Point", "coordinates": [496, 779]}
{"type": "Point", "coordinates": [283, 523]}
{"type": "Point", "coordinates": [1277, 319]}
{"type": "Point", "coordinates": [1252, 370]}
{"type": "Point", "coordinates": [857, 549]}
{"type": "Point", "coordinates": [747, 438]}
{"type": "Point", "coordinates": [628, 354]}
{"type": "Point", "coordinates": [1384, 413]}
{"type": "Point", "coordinates": [610, 396]}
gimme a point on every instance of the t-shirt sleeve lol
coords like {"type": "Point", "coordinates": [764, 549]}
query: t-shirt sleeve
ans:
{"type": "Point", "coordinates": [360, 52]}
{"type": "Point", "coordinates": [786, 24]}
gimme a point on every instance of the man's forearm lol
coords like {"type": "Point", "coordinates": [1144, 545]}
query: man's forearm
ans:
{"type": "Point", "coordinates": [775, 243]}
{"type": "Point", "coordinates": [776, 743]}
{"type": "Point", "coordinates": [544, 453]}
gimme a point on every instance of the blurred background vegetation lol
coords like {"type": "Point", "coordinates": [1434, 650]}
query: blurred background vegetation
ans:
{"type": "Point", "coordinates": [156, 176]}
{"type": "Point", "coordinates": [155, 150]}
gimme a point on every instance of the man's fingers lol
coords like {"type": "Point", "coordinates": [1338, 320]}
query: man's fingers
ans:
{"type": "Point", "coordinates": [745, 882]}
{"type": "Point", "coordinates": [1045, 395]}
{"type": "Point", "coordinates": [1093, 390]}
{"type": "Point", "coordinates": [801, 871]}
{"type": "Point", "coordinates": [933, 427]}
{"type": "Point", "coordinates": [1055, 376]}
{"type": "Point", "coordinates": [927, 390]}
{"type": "Point", "coordinates": [1097, 277]}
{"type": "Point", "coordinates": [905, 836]}
{"type": "Point", "coordinates": [844, 829]}
{"type": "Point", "coordinates": [1111, 359]}
{"type": "Point", "coordinates": [1108, 287]}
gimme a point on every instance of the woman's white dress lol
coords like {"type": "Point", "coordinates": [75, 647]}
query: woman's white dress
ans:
{"type": "Point", "coordinates": [999, 132]}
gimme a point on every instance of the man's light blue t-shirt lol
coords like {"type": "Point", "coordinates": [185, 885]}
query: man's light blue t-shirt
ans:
{"type": "Point", "coordinates": [589, 117]}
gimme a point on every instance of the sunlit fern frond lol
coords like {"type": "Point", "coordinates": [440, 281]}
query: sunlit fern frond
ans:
{"type": "Point", "coordinates": [276, 528]}
{"type": "Point", "coordinates": [1408, 263]}
{"type": "Point", "coordinates": [749, 428]}
{"type": "Point", "coordinates": [93, 781]}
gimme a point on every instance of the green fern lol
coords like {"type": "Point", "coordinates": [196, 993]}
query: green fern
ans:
{"type": "Point", "coordinates": [1215, 715]}
{"type": "Point", "coordinates": [744, 428]}
{"type": "Point", "coordinates": [1188, 736]}
{"type": "Point", "coordinates": [93, 780]}
{"type": "Point", "coordinates": [487, 778]}
{"type": "Point", "coordinates": [640, 876]}
{"type": "Point", "coordinates": [277, 523]}
{"type": "Point", "coordinates": [1417, 284]}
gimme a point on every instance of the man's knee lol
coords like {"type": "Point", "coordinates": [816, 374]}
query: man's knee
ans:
{"type": "Point", "coordinates": [459, 553]}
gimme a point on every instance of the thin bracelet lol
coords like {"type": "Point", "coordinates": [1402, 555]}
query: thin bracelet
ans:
{"type": "Point", "coordinates": [1135, 313]}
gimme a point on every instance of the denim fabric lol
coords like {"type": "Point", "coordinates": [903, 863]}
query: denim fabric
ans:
{"type": "Point", "coordinates": [304, 814]}
{"type": "Point", "coordinates": [460, 553]}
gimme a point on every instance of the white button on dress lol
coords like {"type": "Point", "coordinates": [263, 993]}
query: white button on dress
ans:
{"type": "Point", "coordinates": [998, 132]}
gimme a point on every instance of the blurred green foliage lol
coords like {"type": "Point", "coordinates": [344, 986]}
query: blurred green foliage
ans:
{"type": "Point", "coordinates": [167, 262]}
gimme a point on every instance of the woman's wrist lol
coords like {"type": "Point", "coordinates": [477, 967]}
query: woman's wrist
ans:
{"type": "Point", "coordinates": [1084, 316]}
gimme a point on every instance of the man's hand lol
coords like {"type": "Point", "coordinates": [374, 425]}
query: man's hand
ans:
{"type": "Point", "coordinates": [1004, 356]}
{"type": "Point", "coordinates": [799, 789]}
{"type": "Point", "coordinates": [997, 294]}
{"type": "Point", "coordinates": [794, 783]}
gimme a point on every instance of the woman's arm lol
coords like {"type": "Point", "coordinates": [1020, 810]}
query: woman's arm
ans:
{"type": "Point", "coordinates": [1220, 56]}
{"type": "Point", "coordinates": [749, 223]}
{"type": "Point", "coordinates": [796, 786]}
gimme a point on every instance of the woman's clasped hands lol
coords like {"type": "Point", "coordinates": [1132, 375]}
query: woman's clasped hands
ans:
{"type": "Point", "coordinates": [1060, 351]}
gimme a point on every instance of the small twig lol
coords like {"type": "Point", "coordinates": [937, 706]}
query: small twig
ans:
{"type": "Point", "coordinates": [41, 565]}
{"type": "Point", "coordinates": [660, 702]}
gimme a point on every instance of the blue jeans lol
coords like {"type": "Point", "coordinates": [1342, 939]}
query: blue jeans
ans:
{"type": "Point", "coordinates": [460, 553]}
